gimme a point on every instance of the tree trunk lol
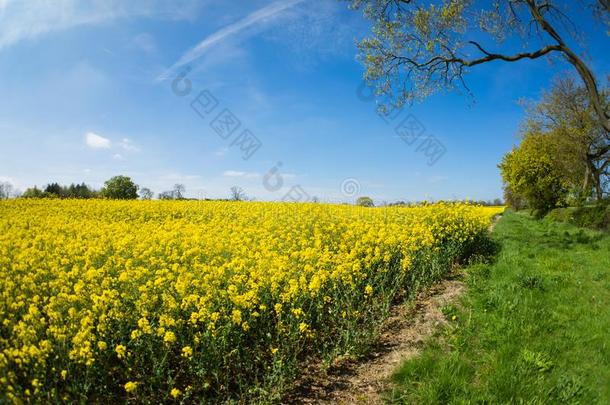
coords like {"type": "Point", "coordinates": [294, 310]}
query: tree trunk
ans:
{"type": "Point", "coordinates": [586, 187]}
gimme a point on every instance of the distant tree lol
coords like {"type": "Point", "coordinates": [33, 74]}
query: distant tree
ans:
{"type": "Point", "coordinates": [179, 191]}
{"type": "Point", "coordinates": [55, 190]}
{"type": "Point", "coordinates": [146, 194]}
{"type": "Point", "coordinates": [419, 47]}
{"type": "Point", "coordinates": [6, 190]}
{"type": "Point", "coordinates": [365, 202]}
{"type": "Point", "coordinates": [120, 188]}
{"type": "Point", "coordinates": [33, 192]}
{"type": "Point", "coordinates": [398, 204]}
{"type": "Point", "coordinates": [237, 194]}
{"type": "Point", "coordinates": [166, 195]}
{"type": "Point", "coordinates": [81, 191]}
{"type": "Point", "coordinates": [497, 202]}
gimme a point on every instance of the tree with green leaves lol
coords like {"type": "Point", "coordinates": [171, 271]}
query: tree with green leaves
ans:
{"type": "Point", "coordinates": [55, 190]}
{"type": "Point", "coordinates": [534, 171]}
{"type": "Point", "coordinates": [365, 202]}
{"type": "Point", "coordinates": [33, 192]}
{"type": "Point", "coordinates": [581, 144]}
{"type": "Point", "coordinates": [419, 47]}
{"type": "Point", "coordinates": [120, 188]}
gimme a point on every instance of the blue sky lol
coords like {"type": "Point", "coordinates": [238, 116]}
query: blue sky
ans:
{"type": "Point", "coordinates": [87, 94]}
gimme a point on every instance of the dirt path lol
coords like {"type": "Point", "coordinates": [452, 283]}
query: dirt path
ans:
{"type": "Point", "coordinates": [363, 381]}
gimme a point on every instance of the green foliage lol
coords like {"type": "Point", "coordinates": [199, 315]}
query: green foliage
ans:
{"type": "Point", "coordinates": [365, 202]}
{"type": "Point", "coordinates": [513, 199]}
{"type": "Point", "coordinates": [595, 217]}
{"type": "Point", "coordinates": [120, 188]}
{"type": "Point", "coordinates": [532, 327]}
{"type": "Point", "coordinates": [33, 192]}
{"type": "Point", "coordinates": [417, 48]}
{"type": "Point", "coordinates": [532, 171]}
{"type": "Point", "coordinates": [55, 190]}
{"type": "Point", "coordinates": [565, 115]}
{"type": "Point", "coordinates": [562, 158]}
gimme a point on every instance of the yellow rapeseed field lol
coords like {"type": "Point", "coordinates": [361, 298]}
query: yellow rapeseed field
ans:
{"type": "Point", "coordinates": [161, 301]}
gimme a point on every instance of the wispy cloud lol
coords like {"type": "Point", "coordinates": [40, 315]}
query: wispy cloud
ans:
{"type": "Point", "coordinates": [261, 15]}
{"type": "Point", "coordinates": [21, 20]}
{"type": "Point", "coordinates": [95, 141]}
{"type": "Point", "coordinates": [128, 145]}
{"type": "Point", "coordinates": [235, 173]}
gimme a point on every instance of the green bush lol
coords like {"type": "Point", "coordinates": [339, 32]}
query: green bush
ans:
{"type": "Point", "coordinates": [595, 217]}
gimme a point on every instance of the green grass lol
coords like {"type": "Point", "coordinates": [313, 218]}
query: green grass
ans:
{"type": "Point", "coordinates": [534, 326]}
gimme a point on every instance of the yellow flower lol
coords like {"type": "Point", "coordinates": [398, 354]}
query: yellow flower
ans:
{"type": "Point", "coordinates": [169, 337]}
{"type": "Point", "coordinates": [188, 271]}
{"type": "Point", "coordinates": [187, 352]}
{"type": "Point", "coordinates": [175, 393]}
{"type": "Point", "coordinates": [131, 386]}
{"type": "Point", "coordinates": [121, 351]}
{"type": "Point", "coordinates": [236, 316]}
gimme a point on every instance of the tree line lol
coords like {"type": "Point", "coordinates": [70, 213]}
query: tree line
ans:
{"type": "Point", "coordinates": [116, 188]}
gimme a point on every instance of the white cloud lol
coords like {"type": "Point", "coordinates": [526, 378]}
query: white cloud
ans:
{"type": "Point", "coordinates": [118, 156]}
{"type": "Point", "coordinates": [235, 173]}
{"type": "Point", "coordinates": [261, 15]}
{"type": "Point", "coordinates": [96, 141]}
{"type": "Point", "coordinates": [305, 31]}
{"type": "Point", "coordinates": [128, 145]}
{"type": "Point", "coordinates": [20, 20]}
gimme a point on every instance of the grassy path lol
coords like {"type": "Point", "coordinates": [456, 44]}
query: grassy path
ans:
{"type": "Point", "coordinates": [534, 326]}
